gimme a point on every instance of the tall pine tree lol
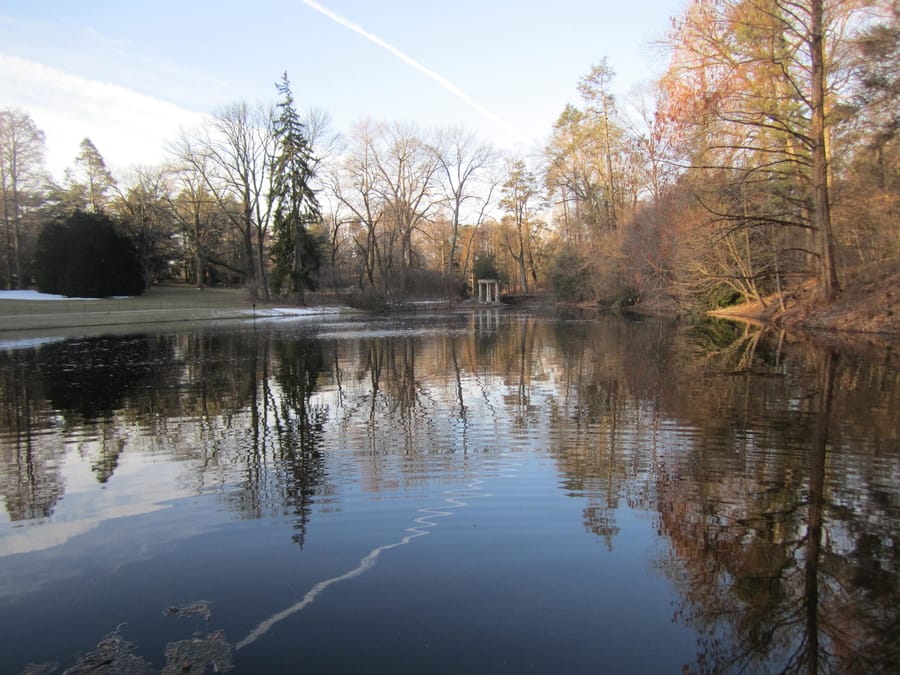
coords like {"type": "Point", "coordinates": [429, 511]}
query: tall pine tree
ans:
{"type": "Point", "coordinates": [294, 253]}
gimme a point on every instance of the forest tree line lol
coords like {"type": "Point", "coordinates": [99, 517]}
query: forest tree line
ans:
{"type": "Point", "coordinates": [765, 156]}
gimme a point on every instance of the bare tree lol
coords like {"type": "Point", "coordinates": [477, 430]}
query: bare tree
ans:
{"type": "Point", "coordinates": [89, 180]}
{"type": "Point", "coordinates": [756, 82]}
{"type": "Point", "coordinates": [233, 154]}
{"type": "Point", "coordinates": [595, 90]}
{"type": "Point", "coordinates": [200, 220]}
{"type": "Point", "coordinates": [654, 139]}
{"type": "Point", "coordinates": [520, 191]}
{"type": "Point", "coordinates": [21, 174]}
{"type": "Point", "coordinates": [329, 146]}
{"type": "Point", "coordinates": [577, 175]}
{"type": "Point", "coordinates": [406, 168]}
{"type": "Point", "coordinates": [144, 211]}
{"type": "Point", "coordinates": [353, 185]}
{"type": "Point", "coordinates": [467, 179]}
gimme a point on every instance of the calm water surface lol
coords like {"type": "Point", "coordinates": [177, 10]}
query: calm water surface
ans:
{"type": "Point", "coordinates": [472, 492]}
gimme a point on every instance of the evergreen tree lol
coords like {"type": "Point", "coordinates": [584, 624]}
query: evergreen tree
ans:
{"type": "Point", "coordinates": [294, 252]}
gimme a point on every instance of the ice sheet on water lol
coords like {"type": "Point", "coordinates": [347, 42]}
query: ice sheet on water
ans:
{"type": "Point", "coordinates": [198, 608]}
{"type": "Point", "coordinates": [40, 668]}
{"type": "Point", "coordinates": [192, 656]}
{"type": "Point", "coordinates": [114, 655]}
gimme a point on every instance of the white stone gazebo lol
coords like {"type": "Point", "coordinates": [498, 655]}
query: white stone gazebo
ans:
{"type": "Point", "coordinates": [488, 291]}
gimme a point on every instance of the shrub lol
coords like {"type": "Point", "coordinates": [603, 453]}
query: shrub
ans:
{"type": "Point", "coordinates": [83, 255]}
{"type": "Point", "coordinates": [567, 276]}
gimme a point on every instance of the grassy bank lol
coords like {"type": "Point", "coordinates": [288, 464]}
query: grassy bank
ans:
{"type": "Point", "coordinates": [159, 304]}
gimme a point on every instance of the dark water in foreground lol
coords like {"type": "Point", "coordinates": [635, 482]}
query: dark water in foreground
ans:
{"type": "Point", "coordinates": [488, 492]}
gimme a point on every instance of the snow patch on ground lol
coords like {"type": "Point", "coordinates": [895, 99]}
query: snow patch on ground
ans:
{"type": "Point", "coordinates": [304, 311]}
{"type": "Point", "coordinates": [34, 295]}
{"type": "Point", "coordinates": [27, 343]}
{"type": "Point", "coordinates": [285, 313]}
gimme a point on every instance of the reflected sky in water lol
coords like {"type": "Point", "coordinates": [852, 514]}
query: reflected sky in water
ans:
{"type": "Point", "coordinates": [481, 491]}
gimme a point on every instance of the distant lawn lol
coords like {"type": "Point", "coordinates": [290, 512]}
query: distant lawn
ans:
{"type": "Point", "coordinates": [157, 304]}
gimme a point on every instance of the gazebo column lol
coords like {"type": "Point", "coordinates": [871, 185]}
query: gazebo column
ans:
{"type": "Point", "coordinates": [488, 291]}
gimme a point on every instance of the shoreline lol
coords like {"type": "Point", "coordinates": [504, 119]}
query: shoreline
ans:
{"type": "Point", "coordinates": [159, 306]}
{"type": "Point", "coordinates": [846, 323]}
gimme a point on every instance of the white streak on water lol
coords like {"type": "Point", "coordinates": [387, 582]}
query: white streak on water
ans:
{"type": "Point", "coordinates": [424, 525]}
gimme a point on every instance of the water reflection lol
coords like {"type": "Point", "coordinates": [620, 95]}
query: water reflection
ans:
{"type": "Point", "coordinates": [283, 462]}
{"type": "Point", "coordinates": [767, 469]}
{"type": "Point", "coordinates": [782, 551]}
{"type": "Point", "coordinates": [91, 378]}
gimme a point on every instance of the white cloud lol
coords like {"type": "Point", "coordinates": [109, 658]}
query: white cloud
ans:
{"type": "Point", "coordinates": [126, 126]}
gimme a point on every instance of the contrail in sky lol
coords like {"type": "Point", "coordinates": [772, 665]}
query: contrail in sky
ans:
{"type": "Point", "coordinates": [444, 82]}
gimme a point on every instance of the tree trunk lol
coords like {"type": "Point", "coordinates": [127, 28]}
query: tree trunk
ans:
{"type": "Point", "coordinates": [261, 273]}
{"type": "Point", "coordinates": [17, 235]}
{"type": "Point", "coordinates": [613, 216]}
{"type": "Point", "coordinates": [248, 251]}
{"type": "Point", "coordinates": [523, 272]}
{"type": "Point", "coordinates": [828, 282]}
{"type": "Point", "coordinates": [297, 275]}
{"type": "Point", "coordinates": [200, 265]}
{"type": "Point", "coordinates": [6, 223]}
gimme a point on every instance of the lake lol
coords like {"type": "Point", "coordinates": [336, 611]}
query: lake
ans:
{"type": "Point", "coordinates": [477, 491]}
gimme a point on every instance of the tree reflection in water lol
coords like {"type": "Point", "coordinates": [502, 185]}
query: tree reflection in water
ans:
{"type": "Point", "coordinates": [770, 468]}
{"type": "Point", "coordinates": [774, 567]}
{"type": "Point", "coordinates": [182, 392]}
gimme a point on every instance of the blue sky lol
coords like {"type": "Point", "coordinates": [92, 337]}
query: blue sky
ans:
{"type": "Point", "coordinates": [130, 74]}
